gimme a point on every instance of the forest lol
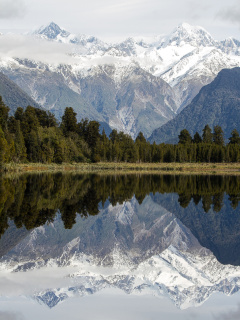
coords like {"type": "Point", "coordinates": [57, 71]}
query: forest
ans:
{"type": "Point", "coordinates": [34, 135]}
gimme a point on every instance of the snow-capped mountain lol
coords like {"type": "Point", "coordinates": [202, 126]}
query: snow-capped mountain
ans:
{"type": "Point", "coordinates": [178, 65]}
{"type": "Point", "coordinates": [187, 279]}
{"type": "Point", "coordinates": [53, 32]}
{"type": "Point", "coordinates": [122, 248]}
{"type": "Point", "coordinates": [192, 35]}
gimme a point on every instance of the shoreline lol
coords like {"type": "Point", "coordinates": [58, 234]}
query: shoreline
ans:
{"type": "Point", "coordinates": [122, 167]}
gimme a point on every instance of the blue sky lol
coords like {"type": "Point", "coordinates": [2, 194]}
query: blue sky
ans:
{"type": "Point", "coordinates": [112, 20]}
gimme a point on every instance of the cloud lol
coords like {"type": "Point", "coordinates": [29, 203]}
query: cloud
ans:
{"type": "Point", "coordinates": [232, 13]}
{"type": "Point", "coordinates": [12, 9]}
{"type": "Point", "coordinates": [10, 316]}
{"type": "Point", "coordinates": [232, 315]}
{"type": "Point", "coordinates": [53, 53]}
{"type": "Point", "coordinates": [36, 49]}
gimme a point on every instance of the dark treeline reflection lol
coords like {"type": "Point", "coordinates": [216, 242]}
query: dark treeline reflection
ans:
{"type": "Point", "coordinates": [32, 200]}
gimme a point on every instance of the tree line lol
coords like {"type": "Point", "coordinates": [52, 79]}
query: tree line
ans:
{"type": "Point", "coordinates": [34, 135]}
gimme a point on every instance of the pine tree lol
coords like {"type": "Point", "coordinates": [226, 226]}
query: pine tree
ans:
{"type": "Point", "coordinates": [20, 149]}
{"type": "Point", "coordinates": [184, 137]}
{"type": "Point", "coordinates": [218, 136]}
{"type": "Point", "coordinates": [197, 138]}
{"type": "Point", "coordinates": [234, 139]}
{"type": "Point", "coordinates": [3, 115]}
{"type": "Point", "coordinates": [28, 120]}
{"type": "Point", "coordinates": [4, 149]}
{"type": "Point", "coordinates": [113, 135]}
{"type": "Point", "coordinates": [207, 136]}
{"type": "Point", "coordinates": [19, 114]}
{"type": "Point", "coordinates": [69, 121]}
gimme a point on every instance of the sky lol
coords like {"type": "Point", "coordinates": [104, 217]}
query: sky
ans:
{"type": "Point", "coordinates": [115, 20]}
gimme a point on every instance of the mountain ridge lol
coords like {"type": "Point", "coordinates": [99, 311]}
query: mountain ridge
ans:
{"type": "Point", "coordinates": [218, 103]}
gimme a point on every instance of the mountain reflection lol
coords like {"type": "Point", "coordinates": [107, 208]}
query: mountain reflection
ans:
{"type": "Point", "coordinates": [175, 236]}
{"type": "Point", "coordinates": [205, 204]}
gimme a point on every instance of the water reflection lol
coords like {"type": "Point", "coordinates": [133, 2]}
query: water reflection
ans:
{"type": "Point", "coordinates": [161, 234]}
{"type": "Point", "coordinates": [33, 200]}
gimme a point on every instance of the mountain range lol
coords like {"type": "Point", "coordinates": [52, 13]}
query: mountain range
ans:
{"type": "Point", "coordinates": [136, 85]}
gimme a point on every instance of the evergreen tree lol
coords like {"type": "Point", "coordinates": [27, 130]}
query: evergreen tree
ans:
{"type": "Point", "coordinates": [4, 149]}
{"type": "Point", "coordinates": [104, 146]}
{"type": "Point", "coordinates": [29, 120]}
{"type": "Point", "coordinates": [33, 147]}
{"type": "Point", "coordinates": [69, 121]}
{"type": "Point", "coordinates": [207, 136]}
{"type": "Point", "coordinates": [20, 149]}
{"type": "Point", "coordinates": [141, 138]}
{"type": "Point", "coordinates": [197, 138]}
{"type": "Point", "coordinates": [113, 135]}
{"type": "Point", "coordinates": [46, 118]}
{"type": "Point", "coordinates": [184, 137]}
{"type": "Point", "coordinates": [234, 139]}
{"type": "Point", "coordinates": [82, 128]}
{"type": "Point", "coordinates": [3, 115]}
{"type": "Point", "coordinates": [218, 136]}
{"type": "Point", "coordinates": [142, 148]}
{"type": "Point", "coordinates": [19, 114]}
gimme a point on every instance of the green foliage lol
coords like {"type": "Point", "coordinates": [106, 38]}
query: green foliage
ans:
{"type": "Point", "coordinates": [234, 139]}
{"type": "Point", "coordinates": [3, 115]}
{"type": "Point", "coordinates": [4, 148]}
{"type": "Point", "coordinates": [34, 135]}
{"type": "Point", "coordinates": [218, 136]}
{"type": "Point", "coordinates": [184, 137]}
{"type": "Point", "coordinates": [197, 138]}
{"type": "Point", "coordinates": [20, 148]}
{"type": "Point", "coordinates": [207, 136]}
{"type": "Point", "coordinates": [69, 121]}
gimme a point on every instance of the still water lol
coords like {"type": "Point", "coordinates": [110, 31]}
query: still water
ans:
{"type": "Point", "coordinates": [119, 247]}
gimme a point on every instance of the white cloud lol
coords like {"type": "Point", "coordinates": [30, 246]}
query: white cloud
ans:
{"type": "Point", "coordinates": [10, 316]}
{"type": "Point", "coordinates": [27, 47]}
{"type": "Point", "coordinates": [12, 9]}
{"type": "Point", "coordinates": [232, 315]}
{"type": "Point", "coordinates": [231, 13]}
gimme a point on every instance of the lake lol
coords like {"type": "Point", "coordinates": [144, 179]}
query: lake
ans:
{"type": "Point", "coordinates": [132, 246]}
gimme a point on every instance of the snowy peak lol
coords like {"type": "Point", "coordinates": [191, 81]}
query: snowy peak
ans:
{"type": "Point", "coordinates": [186, 34]}
{"type": "Point", "coordinates": [54, 33]}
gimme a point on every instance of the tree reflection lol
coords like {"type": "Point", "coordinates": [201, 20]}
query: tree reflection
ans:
{"type": "Point", "coordinates": [33, 200]}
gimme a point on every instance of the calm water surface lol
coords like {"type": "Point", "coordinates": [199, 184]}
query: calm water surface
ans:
{"type": "Point", "coordinates": [119, 247]}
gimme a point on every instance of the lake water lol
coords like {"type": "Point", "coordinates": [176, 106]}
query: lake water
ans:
{"type": "Point", "coordinates": [119, 247]}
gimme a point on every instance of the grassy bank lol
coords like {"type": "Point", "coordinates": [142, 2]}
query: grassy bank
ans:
{"type": "Point", "coordinates": [186, 168]}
